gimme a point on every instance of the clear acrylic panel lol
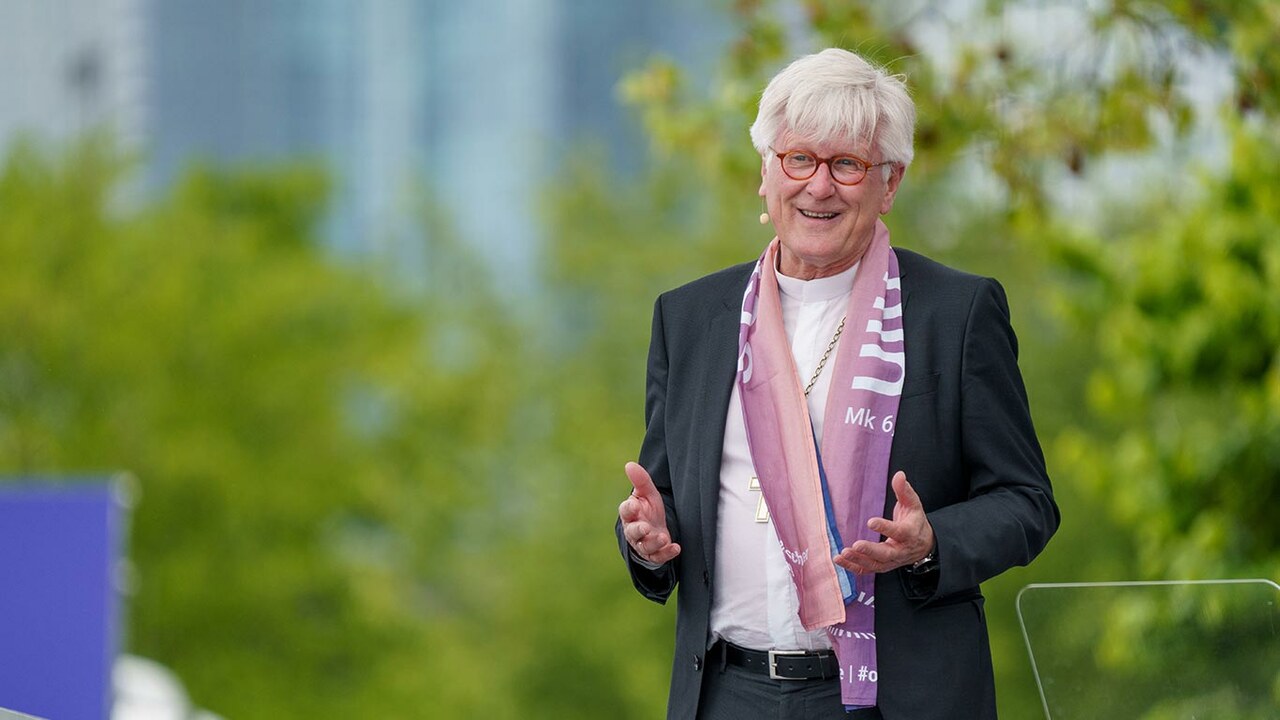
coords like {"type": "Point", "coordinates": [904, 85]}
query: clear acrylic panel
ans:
{"type": "Point", "coordinates": [1197, 650]}
{"type": "Point", "coordinates": [12, 715]}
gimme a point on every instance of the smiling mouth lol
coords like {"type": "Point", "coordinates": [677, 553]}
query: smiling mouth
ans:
{"type": "Point", "coordinates": [818, 215]}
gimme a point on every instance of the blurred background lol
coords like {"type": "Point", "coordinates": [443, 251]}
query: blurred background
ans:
{"type": "Point", "coordinates": [349, 302]}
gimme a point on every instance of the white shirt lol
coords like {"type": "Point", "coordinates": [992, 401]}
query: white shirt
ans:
{"type": "Point", "coordinates": [754, 603]}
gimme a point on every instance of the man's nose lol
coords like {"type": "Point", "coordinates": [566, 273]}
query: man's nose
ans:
{"type": "Point", "coordinates": [822, 184]}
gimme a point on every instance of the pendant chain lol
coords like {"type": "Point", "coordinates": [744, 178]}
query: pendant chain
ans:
{"type": "Point", "coordinates": [823, 362]}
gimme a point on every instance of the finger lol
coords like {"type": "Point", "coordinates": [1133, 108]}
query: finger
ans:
{"type": "Point", "coordinates": [906, 494]}
{"type": "Point", "coordinates": [879, 555]}
{"type": "Point", "coordinates": [656, 547]}
{"type": "Point", "coordinates": [665, 553]}
{"type": "Point", "coordinates": [899, 530]}
{"type": "Point", "coordinates": [646, 539]}
{"type": "Point", "coordinates": [882, 526]}
{"type": "Point", "coordinates": [631, 510]}
{"type": "Point", "coordinates": [637, 532]}
{"type": "Point", "coordinates": [847, 560]}
{"type": "Point", "coordinates": [642, 483]}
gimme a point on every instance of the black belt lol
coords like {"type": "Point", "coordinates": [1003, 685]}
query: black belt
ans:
{"type": "Point", "coordinates": [782, 664]}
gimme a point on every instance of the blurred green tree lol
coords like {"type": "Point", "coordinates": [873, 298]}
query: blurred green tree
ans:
{"type": "Point", "coordinates": [1185, 398]}
{"type": "Point", "coordinates": [304, 439]}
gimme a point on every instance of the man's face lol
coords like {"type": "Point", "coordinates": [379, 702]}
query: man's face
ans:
{"type": "Point", "coordinates": [824, 227]}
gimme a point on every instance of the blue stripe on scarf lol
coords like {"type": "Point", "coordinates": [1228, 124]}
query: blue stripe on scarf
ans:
{"type": "Point", "coordinates": [833, 532]}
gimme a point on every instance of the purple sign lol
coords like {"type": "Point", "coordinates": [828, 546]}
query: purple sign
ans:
{"type": "Point", "coordinates": [60, 545]}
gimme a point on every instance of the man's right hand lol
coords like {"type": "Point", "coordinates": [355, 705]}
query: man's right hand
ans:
{"type": "Point", "coordinates": [644, 519]}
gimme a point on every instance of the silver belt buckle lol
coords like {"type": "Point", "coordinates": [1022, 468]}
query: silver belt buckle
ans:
{"type": "Point", "coordinates": [773, 662]}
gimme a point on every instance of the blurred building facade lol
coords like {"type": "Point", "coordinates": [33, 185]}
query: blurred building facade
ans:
{"type": "Point", "coordinates": [471, 102]}
{"type": "Point", "coordinates": [69, 66]}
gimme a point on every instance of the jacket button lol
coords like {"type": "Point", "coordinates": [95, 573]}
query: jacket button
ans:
{"type": "Point", "coordinates": [697, 663]}
{"type": "Point", "coordinates": [706, 578]}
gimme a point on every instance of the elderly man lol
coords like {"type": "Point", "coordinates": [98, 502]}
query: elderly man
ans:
{"type": "Point", "coordinates": [838, 446]}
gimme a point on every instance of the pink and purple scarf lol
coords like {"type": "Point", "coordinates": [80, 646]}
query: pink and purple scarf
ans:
{"type": "Point", "coordinates": [820, 502]}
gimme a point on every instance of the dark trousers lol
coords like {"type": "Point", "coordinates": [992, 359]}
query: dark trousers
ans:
{"type": "Point", "coordinates": [734, 693]}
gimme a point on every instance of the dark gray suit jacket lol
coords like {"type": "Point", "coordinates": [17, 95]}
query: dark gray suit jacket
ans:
{"type": "Point", "coordinates": [964, 438]}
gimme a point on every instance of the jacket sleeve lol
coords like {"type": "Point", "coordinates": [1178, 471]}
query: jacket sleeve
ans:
{"type": "Point", "coordinates": [1010, 513]}
{"type": "Point", "coordinates": [655, 584]}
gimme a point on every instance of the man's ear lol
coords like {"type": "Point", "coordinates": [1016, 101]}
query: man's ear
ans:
{"type": "Point", "coordinates": [891, 187]}
{"type": "Point", "coordinates": [764, 172]}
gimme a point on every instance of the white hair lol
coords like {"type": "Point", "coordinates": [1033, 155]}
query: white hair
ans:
{"type": "Point", "coordinates": [837, 95]}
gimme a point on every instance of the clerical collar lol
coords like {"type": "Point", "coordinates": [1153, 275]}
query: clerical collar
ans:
{"type": "Point", "coordinates": [818, 289]}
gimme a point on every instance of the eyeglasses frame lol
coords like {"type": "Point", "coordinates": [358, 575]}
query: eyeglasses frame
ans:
{"type": "Point", "coordinates": [826, 161]}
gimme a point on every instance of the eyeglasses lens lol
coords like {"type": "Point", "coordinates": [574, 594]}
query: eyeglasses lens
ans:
{"type": "Point", "coordinates": [845, 170]}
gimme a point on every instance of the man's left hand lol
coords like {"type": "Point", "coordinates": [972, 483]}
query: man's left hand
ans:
{"type": "Point", "coordinates": [908, 537]}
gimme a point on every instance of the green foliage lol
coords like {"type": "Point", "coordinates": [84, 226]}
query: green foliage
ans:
{"type": "Point", "coordinates": [278, 408]}
{"type": "Point", "coordinates": [1185, 316]}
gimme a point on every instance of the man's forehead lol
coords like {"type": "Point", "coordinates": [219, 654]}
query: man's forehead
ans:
{"type": "Point", "coordinates": [788, 140]}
